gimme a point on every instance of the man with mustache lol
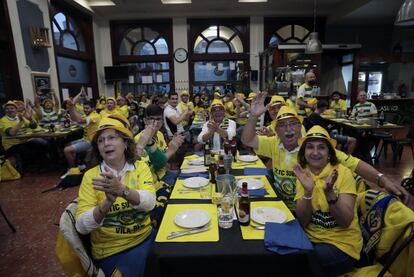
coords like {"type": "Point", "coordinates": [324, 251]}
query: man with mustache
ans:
{"type": "Point", "coordinates": [284, 151]}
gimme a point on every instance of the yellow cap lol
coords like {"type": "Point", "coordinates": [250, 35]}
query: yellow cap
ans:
{"type": "Point", "coordinates": [115, 122]}
{"type": "Point", "coordinates": [111, 98]}
{"type": "Point", "coordinates": [276, 100]}
{"type": "Point", "coordinates": [184, 93]}
{"type": "Point", "coordinates": [217, 95]}
{"type": "Point", "coordinates": [18, 101]}
{"type": "Point", "coordinates": [312, 101]}
{"type": "Point", "coordinates": [318, 132]}
{"type": "Point", "coordinates": [241, 95]}
{"type": "Point", "coordinates": [10, 103]}
{"type": "Point", "coordinates": [287, 112]}
{"type": "Point", "coordinates": [251, 95]}
{"type": "Point", "coordinates": [216, 103]}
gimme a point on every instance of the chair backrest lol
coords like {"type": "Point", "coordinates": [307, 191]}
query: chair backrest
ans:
{"type": "Point", "coordinates": [68, 229]}
{"type": "Point", "coordinates": [410, 133]}
{"type": "Point", "coordinates": [394, 118]}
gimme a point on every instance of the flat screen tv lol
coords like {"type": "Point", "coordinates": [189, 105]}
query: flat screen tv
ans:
{"type": "Point", "coordinates": [115, 73]}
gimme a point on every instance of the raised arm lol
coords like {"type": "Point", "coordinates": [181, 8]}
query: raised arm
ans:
{"type": "Point", "coordinates": [257, 108]}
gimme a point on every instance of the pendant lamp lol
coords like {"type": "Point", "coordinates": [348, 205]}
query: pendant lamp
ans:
{"type": "Point", "coordinates": [314, 45]}
{"type": "Point", "coordinates": [405, 16]}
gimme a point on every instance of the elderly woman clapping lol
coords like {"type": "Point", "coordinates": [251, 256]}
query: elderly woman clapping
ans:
{"type": "Point", "coordinates": [325, 203]}
{"type": "Point", "coordinates": [115, 200]}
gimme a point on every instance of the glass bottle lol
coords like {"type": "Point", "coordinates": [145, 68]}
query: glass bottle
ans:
{"type": "Point", "coordinates": [381, 118]}
{"type": "Point", "coordinates": [244, 206]}
{"type": "Point", "coordinates": [207, 154]}
{"type": "Point", "coordinates": [221, 170]}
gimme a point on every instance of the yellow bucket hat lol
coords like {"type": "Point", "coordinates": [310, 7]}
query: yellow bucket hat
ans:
{"type": "Point", "coordinates": [216, 103]}
{"type": "Point", "coordinates": [276, 100]}
{"type": "Point", "coordinates": [287, 112]}
{"type": "Point", "coordinates": [18, 101]}
{"type": "Point", "coordinates": [312, 101]}
{"type": "Point", "coordinates": [184, 93]}
{"type": "Point", "coordinates": [241, 95]}
{"type": "Point", "coordinates": [113, 122]}
{"type": "Point", "coordinates": [251, 96]}
{"type": "Point", "coordinates": [318, 132]}
{"type": "Point", "coordinates": [10, 103]}
{"type": "Point", "coordinates": [111, 98]}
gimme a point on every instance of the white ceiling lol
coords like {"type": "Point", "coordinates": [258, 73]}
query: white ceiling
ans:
{"type": "Point", "coordinates": [336, 11]}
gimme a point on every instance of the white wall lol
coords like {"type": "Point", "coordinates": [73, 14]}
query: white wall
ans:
{"type": "Point", "coordinates": [256, 46]}
{"type": "Point", "coordinates": [25, 71]}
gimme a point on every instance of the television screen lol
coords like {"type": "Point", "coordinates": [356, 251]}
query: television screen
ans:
{"type": "Point", "coordinates": [113, 73]}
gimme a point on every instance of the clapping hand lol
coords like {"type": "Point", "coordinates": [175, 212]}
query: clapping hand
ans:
{"type": "Point", "coordinates": [257, 107]}
{"type": "Point", "coordinates": [305, 179]}
{"type": "Point", "coordinates": [108, 183]}
{"type": "Point", "coordinates": [213, 126]}
{"type": "Point", "coordinates": [176, 141]}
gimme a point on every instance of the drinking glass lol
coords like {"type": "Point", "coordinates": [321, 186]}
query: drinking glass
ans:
{"type": "Point", "coordinates": [226, 212]}
{"type": "Point", "coordinates": [228, 160]}
{"type": "Point", "coordinates": [205, 192]}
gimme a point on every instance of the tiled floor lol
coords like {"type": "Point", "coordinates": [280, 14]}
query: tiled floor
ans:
{"type": "Point", "coordinates": [31, 250]}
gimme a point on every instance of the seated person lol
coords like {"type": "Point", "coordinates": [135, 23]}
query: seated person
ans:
{"type": "Point", "coordinates": [363, 109]}
{"type": "Point", "coordinates": [338, 104]}
{"type": "Point", "coordinates": [100, 104]}
{"type": "Point", "coordinates": [316, 119]}
{"type": "Point", "coordinates": [111, 108]}
{"type": "Point", "coordinates": [218, 128]}
{"type": "Point", "coordinates": [115, 199]}
{"type": "Point", "coordinates": [122, 103]}
{"type": "Point", "coordinates": [260, 122]}
{"type": "Point", "coordinates": [174, 116]}
{"type": "Point", "coordinates": [325, 203]}
{"type": "Point", "coordinates": [91, 120]}
{"type": "Point", "coordinates": [229, 106]}
{"type": "Point", "coordinates": [184, 105]}
{"type": "Point", "coordinates": [48, 112]}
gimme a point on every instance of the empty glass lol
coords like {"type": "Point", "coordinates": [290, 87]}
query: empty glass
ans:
{"type": "Point", "coordinates": [228, 159]}
{"type": "Point", "coordinates": [205, 192]}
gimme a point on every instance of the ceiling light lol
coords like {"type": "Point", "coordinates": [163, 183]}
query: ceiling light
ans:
{"type": "Point", "coordinates": [101, 3]}
{"type": "Point", "coordinates": [405, 16]}
{"type": "Point", "coordinates": [167, 2]}
{"type": "Point", "coordinates": [314, 45]}
{"type": "Point", "coordinates": [252, 1]}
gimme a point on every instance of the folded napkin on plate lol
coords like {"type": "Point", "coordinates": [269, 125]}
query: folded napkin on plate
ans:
{"type": "Point", "coordinates": [286, 238]}
{"type": "Point", "coordinates": [194, 174]}
{"type": "Point", "coordinates": [258, 192]}
{"type": "Point", "coordinates": [255, 171]}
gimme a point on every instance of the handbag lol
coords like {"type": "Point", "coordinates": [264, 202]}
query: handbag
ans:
{"type": "Point", "coordinates": [8, 172]}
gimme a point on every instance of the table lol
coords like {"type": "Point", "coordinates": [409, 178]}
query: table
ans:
{"type": "Point", "coordinates": [230, 256]}
{"type": "Point", "coordinates": [345, 123]}
{"type": "Point", "coordinates": [45, 133]}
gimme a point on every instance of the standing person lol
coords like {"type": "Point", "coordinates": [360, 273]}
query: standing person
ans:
{"type": "Point", "coordinates": [218, 128]}
{"type": "Point", "coordinates": [363, 109]}
{"type": "Point", "coordinates": [338, 104]}
{"type": "Point", "coordinates": [229, 106]}
{"type": "Point", "coordinates": [115, 198]}
{"type": "Point", "coordinates": [174, 116]}
{"type": "Point", "coordinates": [74, 148]}
{"type": "Point", "coordinates": [325, 203]}
{"type": "Point", "coordinates": [304, 94]}
{"type": "Point", "coordinates": [283, 150]}
{"type": "Point", "coordinates": [185, 104]}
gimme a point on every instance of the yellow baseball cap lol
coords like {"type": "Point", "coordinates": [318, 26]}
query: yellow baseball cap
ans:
{"type": "Point", "coordinates": [184, 93]}
{"type": "Point", "coordinates": [277, 100]}
{"type": "Point", "coordinates": [111, 98]}
{"type": "Point", "coordinates": [286, 112]}
{"type": "Point", "coordinates": [312, 101]}
{"type": "Point", "coordinates": [10, 103]}
{"type": "Point", "coordinates": [251, 95]}
{"type": "Point", "coordinates": [317, 132]}
{"type": "Point", "coordinates": [113, 122]}
{"type": "Point", "coordinates": [241, 95]}
{"type": "Point", "coordinates": [216, 103]}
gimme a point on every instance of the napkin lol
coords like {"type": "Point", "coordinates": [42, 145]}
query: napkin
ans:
{"type": "Point", "coordinates": [255, 171]}
{"type": "Point", "coordinates": [257, 192]}
{"type": "Point", "coordinates": [199, 153]}
{"type": "Point", "coordinates": [194, 174]}
{"type": "Point", "coordinates": [286, 238]}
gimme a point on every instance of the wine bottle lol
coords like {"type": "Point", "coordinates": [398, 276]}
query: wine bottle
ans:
{"type": "Point", "coordinates": [244, 206]}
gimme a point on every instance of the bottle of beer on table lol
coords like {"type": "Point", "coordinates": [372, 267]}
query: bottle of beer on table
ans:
{"type": "Point", "coordinates": [221, 170]}
{"type": "Point", "coordinates": [207, 154]}
{"type": "Point", "coordinates": [381, 118]}
{"type": "Point", "coordinates": [244, 206]}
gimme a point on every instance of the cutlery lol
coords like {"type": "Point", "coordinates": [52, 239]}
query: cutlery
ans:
{"type": "Point", "coordinates": [190, 232]}
{"type": "Point", "coordinates": [261, 227]}
{"type": "Point", "coordinates": [190, 229]}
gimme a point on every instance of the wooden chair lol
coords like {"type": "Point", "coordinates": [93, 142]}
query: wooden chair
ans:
{"type": "Point", "coordinates": [397, 145]}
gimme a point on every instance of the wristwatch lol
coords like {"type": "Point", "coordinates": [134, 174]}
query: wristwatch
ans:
{"type": "Point", "coordinates": [126, 192]}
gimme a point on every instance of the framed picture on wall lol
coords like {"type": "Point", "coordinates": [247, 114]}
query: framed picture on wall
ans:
{"type": "Point", "coordinates": [41, 85]}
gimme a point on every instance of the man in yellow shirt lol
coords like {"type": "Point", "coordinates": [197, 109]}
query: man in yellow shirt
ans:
{"type": "Point", "coordinates": [284, 151]}
{"type": "Point", "coordinates": [111, 108]}
{"type": "Point", "coordinates": [183, 105]}
{"type": "Point", "coordinates": [338, 104]}
{"type": "Point", "coordinates": [122, 105]}
{"type": "Point", "coordinates": [229, 106]}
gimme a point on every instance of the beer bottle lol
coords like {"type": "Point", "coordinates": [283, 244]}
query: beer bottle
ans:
{"type": "Point", "coordinates": [381, 118]}
{"type": "Point", "coordinates": [207, 154]}
{"type": "Point", "coordinates": [244, 206]}
{"type": "Point", "coordinates": [221, 170]}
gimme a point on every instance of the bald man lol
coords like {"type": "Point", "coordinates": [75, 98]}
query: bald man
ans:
{"type": "Point", "coordinates": [305, 94]}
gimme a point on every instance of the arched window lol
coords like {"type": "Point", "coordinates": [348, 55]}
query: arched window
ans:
{"type": "Point", "coordinates": [66, 33]}
{"type": "Point", "coordinates": [143, 41]}
{"type": "Point", "coordinates": [218, 55]}
{"type": "Point", "coordinates": [290, 34]}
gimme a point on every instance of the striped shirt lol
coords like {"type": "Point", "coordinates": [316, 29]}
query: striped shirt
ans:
{"type": "Point", "coordinates": [365, 110]}
{"type": "Point", "coordinates": [304, 92]}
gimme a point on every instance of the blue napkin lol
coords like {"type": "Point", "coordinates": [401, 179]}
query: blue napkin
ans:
{"type": "Point", "coordinates": [199, 153]}
{"type": "Point", "coordinates": [255, 171]}
{"type": "Point", "coordinates": [286, 238]}
{"type": "Point", "coordinates": [257, 192]}
{"type": "Point", "coordinates": [195, 174]}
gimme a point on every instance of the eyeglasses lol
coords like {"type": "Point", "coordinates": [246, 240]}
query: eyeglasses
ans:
{"type": "Point", "coordinates": [110, 139]}
{"type": "Point", "coordinates": [292, 124]}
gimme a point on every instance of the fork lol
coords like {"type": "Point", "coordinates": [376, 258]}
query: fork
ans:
{"type": "Point", "coordinates": [189, 230]}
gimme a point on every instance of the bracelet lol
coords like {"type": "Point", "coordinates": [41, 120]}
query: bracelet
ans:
{"type": "Point", "coordinates": [151, 144]}
{"type": "Point", "coordinates": [307, 198]}
{"type": "Point", "coordinates": [379, 176]}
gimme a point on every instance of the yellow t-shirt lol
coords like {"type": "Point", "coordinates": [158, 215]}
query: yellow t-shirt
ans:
{"type": "Point", "coordinates": [199, 115]}
{"type": "Point", "coordinates": [79, 108]}
{"type": "Point", "coordinates": [341, 105]}
{"type": "Point", "coordinates": [124, 110]}
{"type": "Point", "coordinates": [92, 124]}
{"type": "Point", "coordinates": [241, 121]}
{"type": "Point", "coordinates": [157, 175]}
{"type": "Point", "coordinates": [6, 123]}
{"type": "Point", "coordinates": [323, 227]}
{"type": "Point", "coordinates": [183, 107]}
{"type": "Point", "coordinates": [230, 112]}
{"type": "Point", "coordinates": [283, 162]}
{"type": "Point", "coordinates": [105, 112]}
{"type": "Point", "coordinates": [123, 227]}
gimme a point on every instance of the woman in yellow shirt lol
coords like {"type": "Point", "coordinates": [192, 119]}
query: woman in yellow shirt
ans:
{"type": "Point", "coordinates": [325, 203]}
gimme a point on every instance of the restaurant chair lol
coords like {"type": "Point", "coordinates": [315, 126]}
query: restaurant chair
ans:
{"type": "Point", "coordinates": [397, 145]}
{"type": "Point", "coordinates": [393, 253]}
{"type": "Point", "coordinates": [80, 245]}
{"type": "Point", "coordinates": [380, 136]}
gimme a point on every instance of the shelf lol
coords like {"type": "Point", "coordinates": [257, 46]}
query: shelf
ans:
{"type": "Point", "coordinates": [39, 37]}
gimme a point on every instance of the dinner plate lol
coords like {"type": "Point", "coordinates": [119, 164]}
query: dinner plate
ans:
{"type": "Point", "coordinates": [195, 182]}
{"type": "Point", "coordinates": [251, 183]}
{"type": "Point", "coordinates": [248, 158]}
{"type": "Point", "coordinates": [195, 169]}
{"type": "Point", "coordinates": [196, 161]}
{"type": "Point", "coordinates": [262, 215]}
{"type": "Point", "coordinates": [192, 218]}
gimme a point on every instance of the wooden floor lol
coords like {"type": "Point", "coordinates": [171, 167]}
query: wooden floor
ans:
{"type": "Point", "coordinates": [31, 250]}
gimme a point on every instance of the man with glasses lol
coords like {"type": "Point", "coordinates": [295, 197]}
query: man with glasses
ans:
{"type": "Point", "coordinates": [284, 153]}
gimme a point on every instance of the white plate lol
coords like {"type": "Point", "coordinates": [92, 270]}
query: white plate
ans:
{"type": "Point", "coordinates": [251, 183]}
{"type": "Point", "coordinates": [192, 218]}
{"type": "Point", "coordinates": [194, 169]}
{"type": "Point", "coordinates": [262, 215]}
{"type": "Point", "coordinates": [248, 158]}
{"type": "Point", "coordinates": [195, 182]}
{"type": "Point", "coordinates": [196, 161]}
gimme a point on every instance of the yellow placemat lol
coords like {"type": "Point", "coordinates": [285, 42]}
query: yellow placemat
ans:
{"type": "Point", "coordinates": [168, 225]}
{"type": "Point", "coordinates": [186, 159]}
{"type": "Point", "coordinates": [267, 185]}
{"type": "Point", "coordinates": [241, 165]}
{"type": "Point", "coordinates": [181, 192]}
{"type": "Point", "coordinates": [250, 233]}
